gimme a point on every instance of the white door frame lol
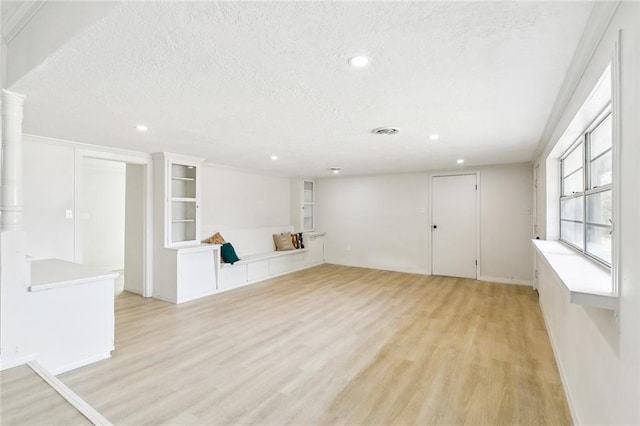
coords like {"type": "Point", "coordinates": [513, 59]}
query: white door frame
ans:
{"type": "Point", "coordinates": [430, 230]}
{"type": "Point", "coordinates": [145, 161]}
{"type": "Point", "coordinates": [535, 231]}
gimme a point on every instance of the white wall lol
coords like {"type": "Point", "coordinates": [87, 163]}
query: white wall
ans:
{"type": "Point", "coordinates": [49, 179]}
{"type": "Point", "coordinates": [375, 221]}
{"type": "Point", "coordinates": [102, 213]}
{"type": "Point", "coordinates": [382, 222]}
{"type": "Point", "coordinates": [506, 223]}
{"type": "Point", "coordinates": [599, 361]}
{"type": "Point", "coordinates": [50, 189]}
{"type": "Point", "coordinates": [134, 229]}
{"type": "Point", "coordinates": [3, 62]}
{"type": "Point", "coordinates": [234, 199]}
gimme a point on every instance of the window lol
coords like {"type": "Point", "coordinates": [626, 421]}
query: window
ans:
{"type": "Point", "coordinates": [585, 196]}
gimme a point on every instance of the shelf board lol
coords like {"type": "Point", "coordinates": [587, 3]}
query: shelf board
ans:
{"type": "Point", "coordinates": [187, 179]}
{"type": "Point", "coordinates": [183, 199]}
{"type": "Point", "coordinates": [183, 221]}
{"type": "Point", "coordinates": [586, 282]}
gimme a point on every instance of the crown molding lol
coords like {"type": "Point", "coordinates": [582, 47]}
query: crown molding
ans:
{"type": "Point", "coordinates": [597, 24]}
{"type": "Point", "coordinates": [13, 23]}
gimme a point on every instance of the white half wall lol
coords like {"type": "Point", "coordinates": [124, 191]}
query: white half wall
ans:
{"type": "Point", "coordinates": [236, 199]}
{"type": "Point", "coordinates": [598, 355]}
{"type": "Point", "coordinates": [102, 213]}
{"type": "Point", "coordinates": [382, 222]}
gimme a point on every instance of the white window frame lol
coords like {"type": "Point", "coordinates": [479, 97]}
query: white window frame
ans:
{"type": "Point", "coordinates": [585, 140]}
{"type": "Point", "coordinates": [587, 282]}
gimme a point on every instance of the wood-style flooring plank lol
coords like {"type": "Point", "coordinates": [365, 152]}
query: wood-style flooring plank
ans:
{"type": "Point", "coordinates": [26, 399]}
{"type": "Point", "coordinates": [332, 345]}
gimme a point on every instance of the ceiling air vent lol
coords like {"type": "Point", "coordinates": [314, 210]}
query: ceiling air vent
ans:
{"type": "Point", "coordinates": [386, 131]}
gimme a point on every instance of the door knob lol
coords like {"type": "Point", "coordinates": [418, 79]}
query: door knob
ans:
{"type": "Point", "coordinates": [435, 226]}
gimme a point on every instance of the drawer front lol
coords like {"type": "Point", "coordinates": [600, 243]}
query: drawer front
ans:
{"type": "Point", "coordinates": [257, 270]}
{"type": "Point", "coordinates": [232, 276]}
{"type": "Point", "coordinates": [284, 264]}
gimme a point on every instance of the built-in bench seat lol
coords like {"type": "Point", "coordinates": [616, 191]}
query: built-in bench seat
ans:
{"type": "Point", "coordinates": [262, 256]}
{"type": "Point", "coordinates": [259, 259]}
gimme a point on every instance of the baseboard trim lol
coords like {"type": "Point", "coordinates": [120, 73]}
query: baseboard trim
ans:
{"type": "Point", "coordinates": [382, 268]}
{"type": "Point", "coordinates": [78, 403]}
{"type": "Point", "coordinates": [506, 280]}
{"type": "Point", "coordinates": [165, 299]}
{"type": "Point", "coordinates": [196, 297]}
{"type": "Point", "coordinates": [81, 363]}
{"type": "Point", "coordinates": [17, 362]}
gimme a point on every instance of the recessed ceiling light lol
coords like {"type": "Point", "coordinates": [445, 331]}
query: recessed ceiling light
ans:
{"type": "Point", "coordinates": [141, 128]}
{"type": "Point", "coordinates": [386, 131]}
{"type": "Point", "coordinates": [335, 170]}
{"type": "Point", "coordinates": [359, 61]}
{"type": "Point", "coordinates": [460, 161]}
{"type": "Point", "coordinates": [434, 137]}
{"type": "Point", "coordinates": [274, 157]}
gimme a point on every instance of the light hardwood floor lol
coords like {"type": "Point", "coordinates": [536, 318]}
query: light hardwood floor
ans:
{"type": "Point", "coordinates": [26, 399]}
{"type": "Point", "coordinates": [332, 345]}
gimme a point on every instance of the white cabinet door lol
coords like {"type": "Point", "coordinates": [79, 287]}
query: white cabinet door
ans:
{"type": "Point", "coordinates": [308, 199]}
{"type": "Point", "coordinates": [303, 204]}
{"type": "Point", "coordinates": [195, 273]}
{"type": "Point", "coordinates": [180, 176]}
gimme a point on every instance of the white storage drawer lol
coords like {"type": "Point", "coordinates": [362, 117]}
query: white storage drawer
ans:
{"type": "Point", "coordinates": [232, 276]}
{"type": "Point", "coordinates": [257, 270]}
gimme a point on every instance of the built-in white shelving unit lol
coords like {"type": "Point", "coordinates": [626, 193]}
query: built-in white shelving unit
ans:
{"type": "Point", "coordinates": [303, 204]}
{"type": "Point", "coordinates": [183, 267]}
{"type": "Point", "coordinates": [183, 196]}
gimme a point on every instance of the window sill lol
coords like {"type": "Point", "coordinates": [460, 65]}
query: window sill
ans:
{"type": "Point", "coordinates": [588, 284]}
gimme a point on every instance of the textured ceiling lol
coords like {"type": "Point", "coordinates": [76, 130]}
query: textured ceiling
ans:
{"type": "Point", "coordinates": [236, 82]}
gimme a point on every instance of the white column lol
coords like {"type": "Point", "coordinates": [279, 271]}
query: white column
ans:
{"type": "Point", "coordinates": [11, 162]}
{"type": "Point", "coordinates": [14, 269]}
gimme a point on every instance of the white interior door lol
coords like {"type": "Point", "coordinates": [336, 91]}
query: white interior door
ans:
{"type": "Point", "coordinates": [454, 225]}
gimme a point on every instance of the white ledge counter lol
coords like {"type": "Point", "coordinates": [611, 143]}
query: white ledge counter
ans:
{"type": "Point", "coordinates": [47, 274]}
{"type": "Point", "coordinates": [71, 318]}
{"type": "Point", "coordinates": [587, 283]}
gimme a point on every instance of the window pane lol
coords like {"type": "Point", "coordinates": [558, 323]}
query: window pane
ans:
{"type": "Point", "coordinates": [599, 242]}
{"type": "Point", "coordinates": [572, 232]}
{"type": "Point", "coordinates": [573, 161]}
{"type": "Point", "coordinates": [601, 138]}
{"type": "Point", "coordinates": [572, 209]}
{"type": "Point", "coordinates": [601, 171]}
{"type": "Point", "coordinates": [573, 183]}
{"type": "Point", "coordinates": [599, 208]}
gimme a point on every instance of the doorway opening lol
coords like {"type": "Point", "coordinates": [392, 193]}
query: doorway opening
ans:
{"type": "Point", "coordinates": [112, 221]}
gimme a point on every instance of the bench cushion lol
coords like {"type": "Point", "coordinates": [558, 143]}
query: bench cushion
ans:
{"type": "Point", "coordinates": [251, 241]}
{"type": "Point", "coordinates": [283, 242]}
{"type": "Point", "coordinates": [215, 239]}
